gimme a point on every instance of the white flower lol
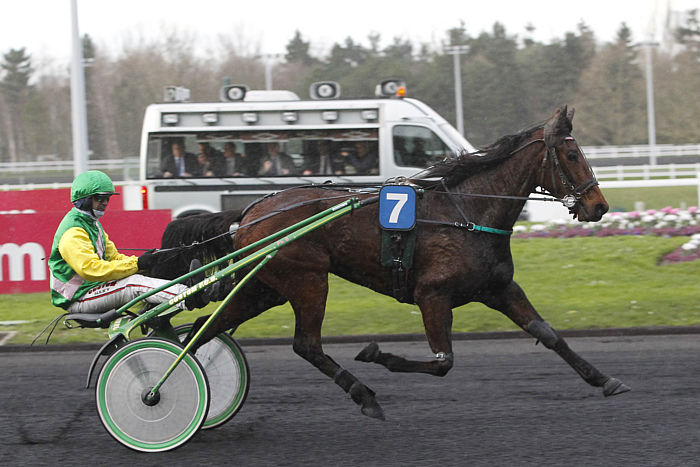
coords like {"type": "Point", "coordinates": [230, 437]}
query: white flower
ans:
{"type": "Point", "coordinates": [558, 221]}
{"type": "Point", "coordinates": [670, 217]}
{"type": "Point", "coordinates": [519, 228]}
{"type": "Point", "coordinates": [648, 218]}
{"type": "Point", "coordinates": [689, 246]}
{"type": "Point", "coordinates": [538, 227]}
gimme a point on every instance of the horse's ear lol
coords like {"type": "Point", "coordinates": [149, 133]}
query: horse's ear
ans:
{"type": "Point", "coordinates": [556, 127]}
{"type": "Point", "coordinates": [570, 114]}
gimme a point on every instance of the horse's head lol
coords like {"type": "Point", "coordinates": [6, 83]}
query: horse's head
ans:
{"type": "Point", "coordinates": [566, 172]}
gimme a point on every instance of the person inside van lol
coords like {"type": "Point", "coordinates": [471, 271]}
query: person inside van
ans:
{"type": "Point", "coordinates": [179, 163]}
{"type": "Point", "coordinates": [400, 151]}
{"type": "Point", "coordinates": [276, 163]}
{"type": "Point", "coordinates": [418, 157]}
{"type": "Point", "coordinates": [212, 162]}
{"type": "Point", "coordinates": [364, 159]}
{"type": "Point", "coordinates": [323, 161]}
{"type": "Point", "coordinates": [237, 164]}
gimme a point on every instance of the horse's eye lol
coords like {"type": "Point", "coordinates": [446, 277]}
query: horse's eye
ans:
{"type": "Point", "coordinates": [572, 156]}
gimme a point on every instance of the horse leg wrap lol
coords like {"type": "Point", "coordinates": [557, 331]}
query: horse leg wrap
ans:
{"type": "Point", "coordinates": [344, 379]}
{"type": "Point", "coordinates": [543, 332]}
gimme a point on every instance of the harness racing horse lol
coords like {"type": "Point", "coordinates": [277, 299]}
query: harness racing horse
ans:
{"type": "Point", "coordinates": [462, 251]}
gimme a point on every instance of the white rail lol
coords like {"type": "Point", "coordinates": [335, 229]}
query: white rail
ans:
{"type": "Point", "coordinates": [647, 172]}
{"type": "Point", "coordinates": [127, 164]}
{"type": "Point", "coordinates": [642, 151]}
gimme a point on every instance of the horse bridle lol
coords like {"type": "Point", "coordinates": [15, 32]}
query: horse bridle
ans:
{"type": "Point", "coordinates": [573, 192]}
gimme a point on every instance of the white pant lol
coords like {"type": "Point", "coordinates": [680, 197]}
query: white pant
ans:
{"type": "Point", "coordinates": [115, 294]}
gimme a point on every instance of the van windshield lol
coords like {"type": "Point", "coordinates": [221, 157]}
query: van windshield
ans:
{"type": "Point", "coordinates": [263, 154]}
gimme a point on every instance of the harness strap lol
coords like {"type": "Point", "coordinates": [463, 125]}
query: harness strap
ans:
{"type": "Point", "coordinates": [470, 226]}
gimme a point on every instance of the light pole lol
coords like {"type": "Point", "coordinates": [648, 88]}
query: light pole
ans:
{"type": "Point", "coordinates": [456, 51]}
{"type": "Point", "coordinates": [78, 106]}
{"type": "Point", "coordinates": [270, 60]}
{"type": "Point", "coordinates": [651, 118]}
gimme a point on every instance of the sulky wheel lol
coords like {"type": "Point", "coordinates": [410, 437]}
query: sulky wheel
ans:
{"type": "Point", "coordinates": [227, 372]}
{"type": "Point", "coordinates": [171, 418]}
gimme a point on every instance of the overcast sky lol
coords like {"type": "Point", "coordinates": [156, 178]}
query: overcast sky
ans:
{"type": "Point", "coordinates": [43, 27]}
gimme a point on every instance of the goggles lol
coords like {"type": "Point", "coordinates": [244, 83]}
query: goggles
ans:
{"type": "Point", "coordinates": [101, 198]}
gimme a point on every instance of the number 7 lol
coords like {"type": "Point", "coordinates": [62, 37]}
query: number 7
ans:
{"type": "Point", "coordinates": [401, 198]}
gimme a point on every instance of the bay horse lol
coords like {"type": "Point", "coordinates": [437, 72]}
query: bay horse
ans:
{"type": "Point", "coordinates": [462, 251]}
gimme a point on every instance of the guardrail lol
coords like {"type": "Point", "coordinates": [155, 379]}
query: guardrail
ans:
{"type": "Point", "coordinates": [660, 151]}
{"type": "Point", "coordinates": [126, 169]}
{"type": "Point", "coordinates": [647, 172]}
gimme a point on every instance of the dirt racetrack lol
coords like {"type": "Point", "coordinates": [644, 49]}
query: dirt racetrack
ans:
{"type": "Point", "coordinates": [506, 402]}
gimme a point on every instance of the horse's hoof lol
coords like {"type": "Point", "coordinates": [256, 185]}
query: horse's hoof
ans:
{"type": "Point", "coordinates": [613, 387]}
{"type": "Point", "coordinates": [369, 353]}
{"type": "Point", "coordinates": [374, 411]}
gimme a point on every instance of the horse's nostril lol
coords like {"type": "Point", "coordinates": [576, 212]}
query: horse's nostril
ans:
{"type": "Point", "coordinates": [601, 209]}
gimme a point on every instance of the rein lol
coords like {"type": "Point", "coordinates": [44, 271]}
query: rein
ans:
{"type": "Point", "coordinates": [259, 219]}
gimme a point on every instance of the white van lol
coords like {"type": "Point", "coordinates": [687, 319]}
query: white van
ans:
{"type": "Point", "coordinates": [208, 157]}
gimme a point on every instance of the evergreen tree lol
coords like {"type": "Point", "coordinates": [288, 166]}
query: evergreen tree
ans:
{"type": "Point", "coordinates": [14, 86]}
{"type": "Point", "coordinates": [689, 35]}
{"type": "Point", "coordinates": [612, 98]}
{"type": "Point", "coordinates": [298, 51]}
{"type": "Point", "coordinates": [349, 55]}
{"type": "Point", "coordinates": [552, 72]}
{"type": "Point", "coordinates": [95, 138]}
{"type": "Point", "coordinates": [494, 101]}
{"type": "Point", "coordinates": [400, 49]}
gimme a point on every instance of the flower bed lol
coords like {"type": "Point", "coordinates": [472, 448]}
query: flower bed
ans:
{"type": "Point", "coordinates": [666, 222]}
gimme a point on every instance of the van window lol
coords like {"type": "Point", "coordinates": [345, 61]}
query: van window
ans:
{"type": "Point", "coordinates": [263, 153]}
{"type": "Point", "coordinates": [416, 146]}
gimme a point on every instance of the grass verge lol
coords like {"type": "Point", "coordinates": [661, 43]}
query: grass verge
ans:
{"type": "Point", "coordinates": [574, 283]}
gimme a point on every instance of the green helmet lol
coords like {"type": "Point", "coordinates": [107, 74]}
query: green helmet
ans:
{"type": "Point", "coordinates": [90, 183]}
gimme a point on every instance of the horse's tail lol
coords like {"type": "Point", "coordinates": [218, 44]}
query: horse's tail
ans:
{"type": "Point", "coordinates": [205, 236]}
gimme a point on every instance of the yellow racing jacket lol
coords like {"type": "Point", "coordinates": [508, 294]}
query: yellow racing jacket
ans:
{"type": "Point", "coordinates": [83, 257]}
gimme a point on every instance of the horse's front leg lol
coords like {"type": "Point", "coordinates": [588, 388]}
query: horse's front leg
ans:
{"type": "Point", "coordinates": [437, 319]}
{"type": "Point", "coordinates": [514, 304]}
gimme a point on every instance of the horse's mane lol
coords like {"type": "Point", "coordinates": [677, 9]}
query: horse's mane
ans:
{"type": "Point", "coordinates": [453, 170]}
{"type": "Point", "coordinates": [192, 237]}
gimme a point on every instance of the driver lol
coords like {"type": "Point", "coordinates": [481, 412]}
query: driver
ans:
{"type": "Point", "coordinates": [89, 275]}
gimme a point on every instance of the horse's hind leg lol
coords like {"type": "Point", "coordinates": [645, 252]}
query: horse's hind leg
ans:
{"type": "Point", "coordinates": [437, 319]}
{"type": "Point", "coordinates": [514, 304]}
{"type": "Point", "coordinates": [308, 299]}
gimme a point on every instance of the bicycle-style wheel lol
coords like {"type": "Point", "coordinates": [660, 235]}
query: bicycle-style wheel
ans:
{"type": "Point", "coordinates": [175, 414]}
{"type": "Point", "coordinates": [227, 372]}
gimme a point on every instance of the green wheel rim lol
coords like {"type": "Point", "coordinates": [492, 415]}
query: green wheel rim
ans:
{"type": "Point", "coordinates": [137, 367]}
